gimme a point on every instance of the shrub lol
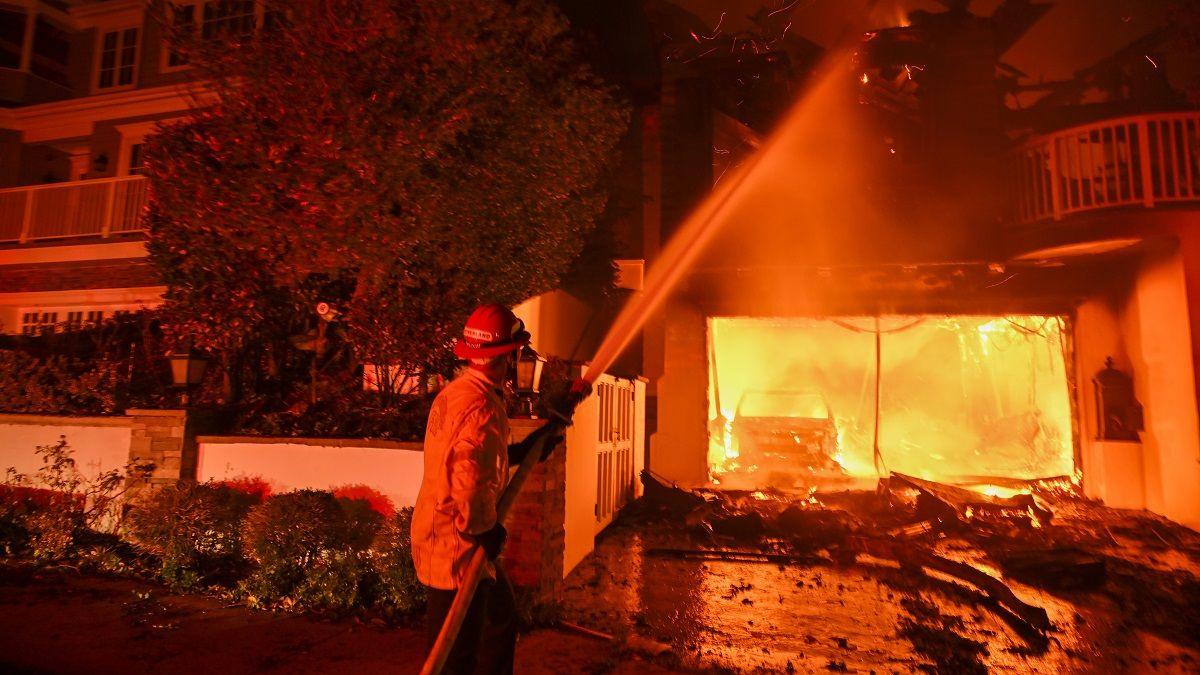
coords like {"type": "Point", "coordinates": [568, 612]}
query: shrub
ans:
{"type": "Point", "coordinates": [346, 412]}
{"type": "Point", "coordinates": [57, 384]}
{"type": "Point", "coordinates": [194, 530]}
{"type": "Point", "coordinates": [18, 505]}
{"type": "Point", "coordinates": [255, 486]}
{"type": "Point", "coordinates": [296, 538]}
{"type": "Point", "coordinates": [379, 502]}
{"type": "Point", "coordinates": [96, 370]}
{"type": "Point", "coordinates": [48, 512]}
{"type": "Point", "coordinates": [339, 582]}
{"type": "Point", "coordinates": [398, 591]}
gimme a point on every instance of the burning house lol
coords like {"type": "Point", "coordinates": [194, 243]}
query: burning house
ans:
{"type": "Point", "coordinates": [910, 273]}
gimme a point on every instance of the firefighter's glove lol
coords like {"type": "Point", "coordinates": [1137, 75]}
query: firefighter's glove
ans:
{"type": "Point", "coordinates": [492, 541]}
{"type": "Point", "coordinates": [580, 388]}
{"type": "Point", "coordinates": [553, 433]}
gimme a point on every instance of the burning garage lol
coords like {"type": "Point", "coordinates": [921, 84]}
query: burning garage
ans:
{"type": "Point", "coordinates": [962, 399]}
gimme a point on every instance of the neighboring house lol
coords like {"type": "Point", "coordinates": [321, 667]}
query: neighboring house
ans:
{"type": "Point", "coordinates": [82, 82]}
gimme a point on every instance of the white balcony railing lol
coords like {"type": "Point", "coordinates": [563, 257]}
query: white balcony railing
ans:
{"type": "Point", "coordinates": [99, 207]}
{"type": "Point", "coordinates": [1144, 161]}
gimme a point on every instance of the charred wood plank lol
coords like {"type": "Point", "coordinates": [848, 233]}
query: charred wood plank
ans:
{"type": "Point", "coordinates": [960, 501]}
{"type": "Point", "coordinates": [1060, 568]}
{"type": "Point", "coordinates": [910, 556]}
{"type": "Point", "coordinates": [736, 556]}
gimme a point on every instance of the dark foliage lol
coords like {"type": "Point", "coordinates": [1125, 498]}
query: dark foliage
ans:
{"type": "Point", "coordinates": [306, 546]}
{"type": "Point", "coordinates": [194, 530]}
{"type": "Point", "coordinates": [402, 160]}
{"type": "Point", "coordinates": [97, 370]}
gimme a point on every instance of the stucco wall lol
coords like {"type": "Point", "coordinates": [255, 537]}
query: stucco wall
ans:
{"type": "Point", "coordinates": [1156, 326]}
{"type": "Point", "coordinates": [1097, 336]}
{"type": "Point", "coordinates": [393, 468]}
{"type": "Point", "coordinates": [100, 443]}
{"type": "Point", "coordinates": [678, 447]}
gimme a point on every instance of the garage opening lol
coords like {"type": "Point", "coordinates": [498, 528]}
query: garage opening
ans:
{"type": "Point", "coordinates": [808, 402]}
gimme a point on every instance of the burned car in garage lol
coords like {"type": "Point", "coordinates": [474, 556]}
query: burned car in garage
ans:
{"type": "Point", "coordinates": [786, 433]}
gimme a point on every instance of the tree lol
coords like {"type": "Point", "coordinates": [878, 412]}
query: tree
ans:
{"type": "Point", "coordinates": [404, 159]}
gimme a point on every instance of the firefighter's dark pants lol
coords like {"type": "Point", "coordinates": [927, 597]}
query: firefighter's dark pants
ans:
{"type": "Point", "coordinates": [487, 641]}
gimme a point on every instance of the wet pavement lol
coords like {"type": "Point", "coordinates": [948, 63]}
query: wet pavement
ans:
{"type": "Point", "coordinates": [872, 616]}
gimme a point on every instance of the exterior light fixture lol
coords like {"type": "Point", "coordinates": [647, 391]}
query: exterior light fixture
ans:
{"type": "Point", "coordinates": [187, 370]}
{"type": "Point", "coordinates": [100, 163]}
{"type": "Point", "coordinates": [528, 379]}
{"type": "Point", "coordinates": [1119, 415]}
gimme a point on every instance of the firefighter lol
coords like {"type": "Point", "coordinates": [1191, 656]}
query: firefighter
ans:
{"type": "Point", "coordinates": [466, 466]}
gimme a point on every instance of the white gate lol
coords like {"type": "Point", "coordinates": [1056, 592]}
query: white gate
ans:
{"type": "Point", "coordinates": [615, 461]}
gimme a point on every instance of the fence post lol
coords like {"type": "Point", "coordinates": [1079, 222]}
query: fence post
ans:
{"type": "Point", "coordinates": [1144, 160]}
{"type": "Point", "coordinates": [27, 218]}
{"type": "Point", "coordinates": [1052, 158]}
{"type": "Point", "coordinates": [110, 198]}
{"type": "Point", "coordinates": [166, 439]}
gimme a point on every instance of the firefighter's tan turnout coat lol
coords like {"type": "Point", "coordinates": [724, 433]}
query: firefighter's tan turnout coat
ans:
{"type": "Point", "coordinates": [466, 467]}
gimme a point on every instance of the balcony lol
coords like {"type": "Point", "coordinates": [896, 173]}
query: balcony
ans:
{"type": "Point", "coordinates": [100, 208]}
{"type": "Point", "coordinates": [1144, 161]}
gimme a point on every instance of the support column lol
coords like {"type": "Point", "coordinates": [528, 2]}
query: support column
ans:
{"type": "Point", "coordinates": [166, 439]}
{"type": "Point", "coordinates": [679, 446]}
{"type": "Point", "coordinates": [27, 45]}
{"type": "Point", "coordinates": [536, 545]}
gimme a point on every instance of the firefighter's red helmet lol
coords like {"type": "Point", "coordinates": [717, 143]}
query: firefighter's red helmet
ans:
{"type": "Point", "coordinates": [491, 330]}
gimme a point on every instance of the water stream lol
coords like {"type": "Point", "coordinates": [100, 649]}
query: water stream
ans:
{"type": "Point", "coordinates": [698, 230]}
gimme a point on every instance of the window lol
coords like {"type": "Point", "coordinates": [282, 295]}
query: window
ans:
{"type": "Point", "coordinates": [210, 20]}
{"type": "Point", "coordinates": [118, 59]}
{"type": "Point", "coordinates": [12, 37]}
{"type": "Point", "coordinates": [83, 319]}
{"type": "Point", "coordinates": [38, 323]}
{"type": "Point", "coordinates": [183, 22]}
{"type": "Point", "coordinates": [51, 47]}
{"type": "Point", "coordinates": [229, 18]}
{"type": "Point", "coordinates": [136, 161]}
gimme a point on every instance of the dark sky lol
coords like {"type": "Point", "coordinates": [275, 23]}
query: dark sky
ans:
{"type": "Point", "coordinates": [1073, 34]}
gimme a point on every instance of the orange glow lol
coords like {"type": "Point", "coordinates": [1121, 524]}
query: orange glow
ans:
{"type": "Point", "coordinates": [962, 398]}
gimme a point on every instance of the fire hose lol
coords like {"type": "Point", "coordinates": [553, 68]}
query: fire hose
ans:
{"type": "Point", "coordinates": [475, 568]}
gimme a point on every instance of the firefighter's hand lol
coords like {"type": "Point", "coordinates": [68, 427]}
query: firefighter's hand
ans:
{"type": "Point", "coordinates": [492, 541]}
{"type": "Point", "coordinates": [580, 388]}
{"type": "Point", "coordinates": [553, 433]}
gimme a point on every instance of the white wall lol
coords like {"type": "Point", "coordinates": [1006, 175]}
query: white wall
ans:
{"type": "Point", "coordinates": [393, 468]}
{"type": "Point", "coordinates": [99, 443]}
{"type": "Point", "coordinates": [581, 477]}
{"type": "Point", "coordinates": [678, 450]}
{"type": "Point", "coordinates": [580, 518]}
{"type": "Point", "coordinates": [1155, 324]}
{"type": "Point", "coordinates": [1104, 463]}
{"type": "Point", "coordinates": [557, 320]}
{"type": "Point", "coordinates": [1147, 332]}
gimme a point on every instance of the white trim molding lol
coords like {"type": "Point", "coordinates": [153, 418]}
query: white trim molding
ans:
{"type": "Point", "coordinates": [148, 296]}
{"type": "Point", "coordinates": [76, 118]}
{"type": "Point", "coordinates": [32, 255]}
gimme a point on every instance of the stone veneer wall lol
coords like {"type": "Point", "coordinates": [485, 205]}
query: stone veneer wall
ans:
{"type": "Point", "coordinates": [165, 439]}
{"type": "Point", "coordinates": [534, 554]}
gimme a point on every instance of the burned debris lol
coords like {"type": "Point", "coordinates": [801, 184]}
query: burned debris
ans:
{"type": "Point", "coordinates": [967, 579]}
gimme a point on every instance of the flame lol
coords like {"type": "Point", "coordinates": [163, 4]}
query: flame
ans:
{"type": "Point", "coordinates": [960, 397]}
